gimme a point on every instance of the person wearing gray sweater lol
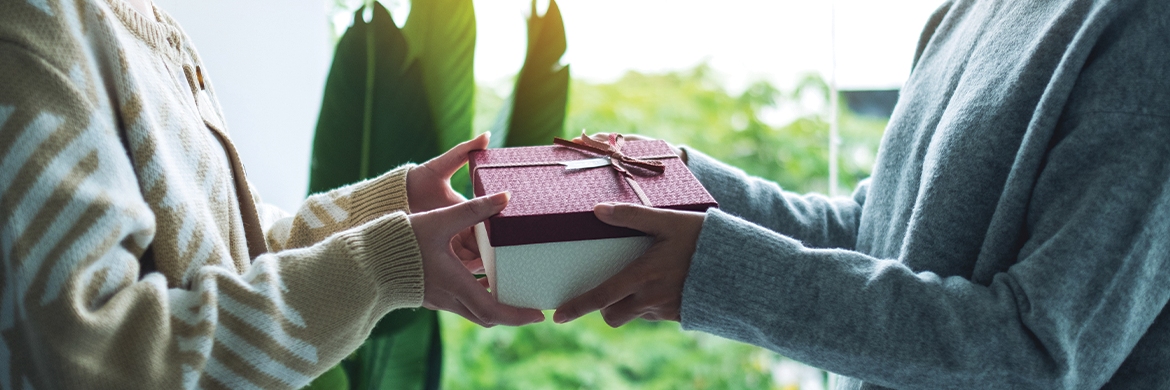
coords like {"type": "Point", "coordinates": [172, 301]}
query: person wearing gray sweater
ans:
{"type": "Point", "coordinates": [1015, 232]}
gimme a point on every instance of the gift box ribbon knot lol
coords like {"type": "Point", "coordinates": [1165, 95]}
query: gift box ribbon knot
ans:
{"type": "Point", "coordinates": [610, 155]}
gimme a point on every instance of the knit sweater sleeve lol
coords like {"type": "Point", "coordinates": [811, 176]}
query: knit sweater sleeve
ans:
{"type": "Point", "coordinates": [77, 310]}
{"type": "Point", "coordinates": [329, 212]}
{"type": "Point", "coordinates": [1090, 281]}
{"type": "Point", "coordinates": [816, 220]}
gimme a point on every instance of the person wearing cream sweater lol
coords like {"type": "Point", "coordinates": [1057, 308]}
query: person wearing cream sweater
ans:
{"type": "Point", "coordinates": [135, 254]}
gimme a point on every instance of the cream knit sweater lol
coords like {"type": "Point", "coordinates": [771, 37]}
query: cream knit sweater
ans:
{"type": "Point", "coordinates": [134, 254]}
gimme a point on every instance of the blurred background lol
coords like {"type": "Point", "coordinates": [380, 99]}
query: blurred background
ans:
{"type": "Point", "coordinates": [746, 81]}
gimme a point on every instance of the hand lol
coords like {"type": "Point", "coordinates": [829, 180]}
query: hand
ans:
{"type": "Point", "coordinates": [447, 284]}
{"type": "Point", "coordinates": [604, 137]}
{"type": "Point", "coordinates": [649, 287]}
{"type": "Point", "coordinates": [428, 185]}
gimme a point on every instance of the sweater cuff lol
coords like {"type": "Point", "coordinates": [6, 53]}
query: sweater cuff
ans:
{"type": "Point", "coordinates": [733, 256]}
{"type": "Point", "coordinates": [712, 173]}
{"type": "Point", "coordinates": [381, 195]}
{"type": "Point", "coordinates": [387, 249]}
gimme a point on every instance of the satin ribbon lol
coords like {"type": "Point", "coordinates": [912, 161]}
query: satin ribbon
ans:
{"type": "Point", "coordinates": [611, 152]}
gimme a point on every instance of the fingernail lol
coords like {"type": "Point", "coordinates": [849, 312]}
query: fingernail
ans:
{"type": "Point", "coordinates": [488, 135]}
{"type": "Point", "coordinates": [538, 320]}
{"type": "Point", "coordinates": [603, 209]}
{"type": "Point", "coordinates": [502, 198]}
{"type": "Point", "coordinates": [559, 318]}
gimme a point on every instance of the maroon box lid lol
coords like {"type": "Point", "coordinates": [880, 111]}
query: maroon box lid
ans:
{"type": "Point", "coordinates": [551, 204]}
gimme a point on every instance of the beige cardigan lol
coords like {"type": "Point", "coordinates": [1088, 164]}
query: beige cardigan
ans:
{"type": "Point", "coordinates": [130, 258]}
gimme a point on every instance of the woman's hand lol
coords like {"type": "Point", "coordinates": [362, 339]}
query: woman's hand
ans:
{"type": "Point", "coordinates": [428, 185]}
{"type": "Point", "coordinates": [447, 283]}
{"type": "Point", "coordinates": [651, 286]}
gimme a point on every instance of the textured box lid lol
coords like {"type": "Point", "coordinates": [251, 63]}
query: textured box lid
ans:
{"type": "Point", "coordinates": [551, 204]}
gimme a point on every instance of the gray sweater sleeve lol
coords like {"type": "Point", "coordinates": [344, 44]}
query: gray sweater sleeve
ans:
{"type": "Point", "coordinates": [816, 220]}
{"type": "Point", "coordinates": [1088, 283]}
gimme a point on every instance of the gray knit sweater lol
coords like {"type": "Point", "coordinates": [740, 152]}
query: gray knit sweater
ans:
{"type": "Point", "coordinates": [1015, 232]}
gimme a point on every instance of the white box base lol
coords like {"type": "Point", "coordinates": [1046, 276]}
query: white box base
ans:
{"type": "Point", "coordinates": [543, 276]}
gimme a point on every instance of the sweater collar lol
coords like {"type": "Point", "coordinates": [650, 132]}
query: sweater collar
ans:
{"type": "Point", "coordinates": [163, 35]}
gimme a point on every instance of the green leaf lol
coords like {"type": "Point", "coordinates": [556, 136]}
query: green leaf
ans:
{"type": "Point", "coordinates": [374, 114]}
{"type": "Point", "coordinates": [536, 110]}
{"type": "Point", "coordinates": [398, 356]}
{"type": "Point", "coordinates": [441, 37]}
{"type": "Point", "coordinates": [334, 379]}
{"type": "Point", "coordinates": [374, 117]}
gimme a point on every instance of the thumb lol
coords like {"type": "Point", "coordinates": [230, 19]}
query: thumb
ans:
{"type": "Point", "coordinates": [460, 216]}
{"type": "Point", "coordinates": [447, 163]}
{"type": "Point", "coordinates": [648, 220]}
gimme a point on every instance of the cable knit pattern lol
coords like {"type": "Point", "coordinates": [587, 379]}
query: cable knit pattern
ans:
{"type": "Point", "coordinates": [135, 254]}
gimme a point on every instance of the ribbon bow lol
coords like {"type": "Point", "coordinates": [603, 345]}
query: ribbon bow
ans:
{"type": "Point", "coordinates": [612, 150]}
{"type": "Point", "coordinates": [617, 160]}
{"type": "Point", "coordinates": [612, 156]}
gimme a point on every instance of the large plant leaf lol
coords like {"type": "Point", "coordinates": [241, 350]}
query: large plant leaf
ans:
{"type": "Point", "coordinates": [441, 37]}
{"type": "Point", "coordinates": [334, 379]}
{"type": "Point", "coordinates": [374, 117]}
{"type": "Point", "coordinates": [374, 114]}
{"type": "Point", "coordinates": [383, 360]}
{"type": "Point", "coordinates": [536, 110]}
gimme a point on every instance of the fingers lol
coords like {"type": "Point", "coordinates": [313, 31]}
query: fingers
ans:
{"type": "Point", "coordinates": [453, 219]}
{"type": "Point", "coordinates": [648, 304]}
{"type": "Point", "coordinates": [472, 301]}
{"type": "Point", "coordinates": [451, 288]}
{"type": "Point", "coordinates": [475, 266]}
{"type": "Point", "coordinates": [463, 312]}
{"type": "Point", "coordinates": [607, 293]}
{"type": "Point", "coordinates": [485, 307]}
{"type": "Point", "coordinates": [466, 248]}
{"type": "Point", "coordinates": [623, 311]}
{"type": "Point", "coordinates": [651, 285]}
{"type": "Point", "coordinates": [648, 220]}
{"type": "Point", "coordinates": [465, 255]}
{"type": "Point", "coordinates": [447, 163]}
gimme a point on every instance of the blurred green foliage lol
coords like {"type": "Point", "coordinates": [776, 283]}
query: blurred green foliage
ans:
{"type": "Point", "coordinates": [588, 354]}
{"type": "Point", "coordinates": [692, 108]}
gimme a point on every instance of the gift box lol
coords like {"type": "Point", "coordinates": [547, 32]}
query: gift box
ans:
{"type": "Point", "coordinates": [547, 246]}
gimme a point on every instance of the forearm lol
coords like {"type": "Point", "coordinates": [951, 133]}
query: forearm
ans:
{"type": "Point", "coordinates": [816, 220]}
{"type": "Point", "coordinates": [329, 212]}
{"type": "Point", "coordinates": [879, 321]}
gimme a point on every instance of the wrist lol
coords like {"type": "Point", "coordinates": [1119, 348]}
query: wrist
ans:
{"type": "Point", "coordinates": [389, 252]}
{"type": "Point", "coordinates": [412, 188]}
